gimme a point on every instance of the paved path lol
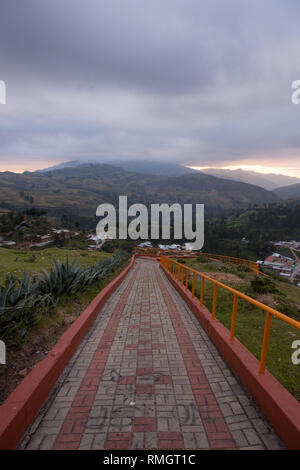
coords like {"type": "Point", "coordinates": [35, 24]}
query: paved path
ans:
{"type": "Point", "coordinates": [148, 377]}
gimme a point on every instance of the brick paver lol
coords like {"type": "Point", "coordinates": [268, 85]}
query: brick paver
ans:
{"type": "Point", "coordinates": [148, 377]}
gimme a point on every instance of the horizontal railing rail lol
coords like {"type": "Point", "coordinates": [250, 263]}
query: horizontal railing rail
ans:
{"type": "Point", "coordinates": [230, 259]}
{"type": "Point", "coordinates": [183, 273]}
{"type": "Point", "coordinates": [159, 251]}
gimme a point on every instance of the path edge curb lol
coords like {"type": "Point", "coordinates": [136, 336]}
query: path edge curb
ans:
{"type": "Point", "coordinates": [22, 406]}
{"type": "Point", "coordinates": [275, 401]}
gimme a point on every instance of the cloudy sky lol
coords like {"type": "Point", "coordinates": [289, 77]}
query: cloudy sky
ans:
{"type": "Point", "coordinates": [203, 83]}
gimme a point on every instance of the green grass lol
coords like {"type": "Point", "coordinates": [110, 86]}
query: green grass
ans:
{"type": "Point", "coordinates": [17, 261]}
{"type": "Point", "coordinates": [210, 265]}
{"type": "Point", "coordinates": [250, 323]}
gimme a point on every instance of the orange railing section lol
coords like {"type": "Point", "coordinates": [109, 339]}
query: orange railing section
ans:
{"type": "Point", "coordinates": [182, 274]}
{"type": "Point", "coordinates": [157, 252]}
{"type": "Point", "coordinates": [251, 264]}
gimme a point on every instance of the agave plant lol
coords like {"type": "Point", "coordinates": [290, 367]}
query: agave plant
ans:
{"type": "Point", "coordinates": [61, 279]}
{"type": "Point", "coordinates": [20, 300]}
{"type": "Point", "coordinates": [66, 278]}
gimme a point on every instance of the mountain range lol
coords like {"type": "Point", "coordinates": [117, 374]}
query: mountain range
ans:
{"type": "Point", "coordinates": [268, 181]}
{"type": "Point", "coordinates": [77, 191]}
{"type": "Point", "coordinates": [137, 166]}
{"type": "Point", "coordinates": [289, 192]}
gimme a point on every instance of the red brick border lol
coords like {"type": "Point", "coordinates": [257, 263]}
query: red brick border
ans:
{"type": "Point", "coordinates": [278, 405]}
{"type": "Point", "coordinates": [23, 404]}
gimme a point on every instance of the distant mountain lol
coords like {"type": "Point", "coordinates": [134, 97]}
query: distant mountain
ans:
{"type": "Point", "coordinates": [78, 191]}
{"type": "Point", "coordinates": [153, 167]}
{"type": "Point", "coordinates": [289, 192]}
{"type": "Point", "coordinates": [138, 166]}
{"type": "Point", "coordinates": [60, 166]}
{"type": "Point", "coordinates": [267, 181]}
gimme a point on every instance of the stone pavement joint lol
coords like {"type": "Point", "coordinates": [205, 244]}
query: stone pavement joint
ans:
{"type": "Point", "coordinates": [147, 376]}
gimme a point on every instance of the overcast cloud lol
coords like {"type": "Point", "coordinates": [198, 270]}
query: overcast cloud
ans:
{"type": "Point", "coordinates": [204, 83]}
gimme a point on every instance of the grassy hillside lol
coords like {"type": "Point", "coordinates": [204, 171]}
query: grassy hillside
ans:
{"type": "Point", "coordinates": [17, 262]}
{"type": "Point", "coordinates": [34, 330]}
{"type": "Point", "coordinates": [250, 320]}
{"type": "Point", "coordinates": [280, 221]}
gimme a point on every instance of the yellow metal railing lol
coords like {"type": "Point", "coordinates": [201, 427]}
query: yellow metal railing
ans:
{"type": "Point", "coordinates": [251, 264]}
{"type": "Point", "coordinates": [158, 252]}
{"type": "Point", "coordinates": [182, 274]}
{"type": "Point", "coordinates": [146, 251]}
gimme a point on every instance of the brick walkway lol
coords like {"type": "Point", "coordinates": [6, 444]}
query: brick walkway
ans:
{"type": "Point", "coordinates": [148, 377]}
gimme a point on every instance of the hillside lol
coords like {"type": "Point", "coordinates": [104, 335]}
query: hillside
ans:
{"type": "Point", "coordinates": [77, 192]}
{"type": "Point", "coordinates": [258, 226]}
{"type": "Point", "coordinates": [274, 292]}
{"type": "Point", "coordinates": [289, 192]}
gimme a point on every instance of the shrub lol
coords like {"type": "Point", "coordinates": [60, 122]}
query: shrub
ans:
{"type": "Point", "coordinates": [243, 268]}
{"type": "Point", "coordinates": [19, 300]}
{"type": "Point", "coordinates": [203, 259]}
{"type": "Point", "coordinates": [263, 285]}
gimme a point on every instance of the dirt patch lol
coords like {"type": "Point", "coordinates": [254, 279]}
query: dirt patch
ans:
{"type": "Point", "coordinates": [268, 299]}
{"type": "Point", "coordinates": [224, 277]}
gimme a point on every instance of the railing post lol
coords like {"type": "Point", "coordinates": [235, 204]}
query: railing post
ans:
{"type": "Point", "coordinates": [202, 291]}
{"type": "Point", "coordinates": [193, 285]}
{"type": "Point", "coordinates": [213, 313]}
{"type": "Point", "coordinates": [182, 273]}
{"type": "Point", "coordinates": [233, 318]}
{"type": "Point", "coordinates": [186, 279]}
{"type": "Point", "coordinates": [264, 350]}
